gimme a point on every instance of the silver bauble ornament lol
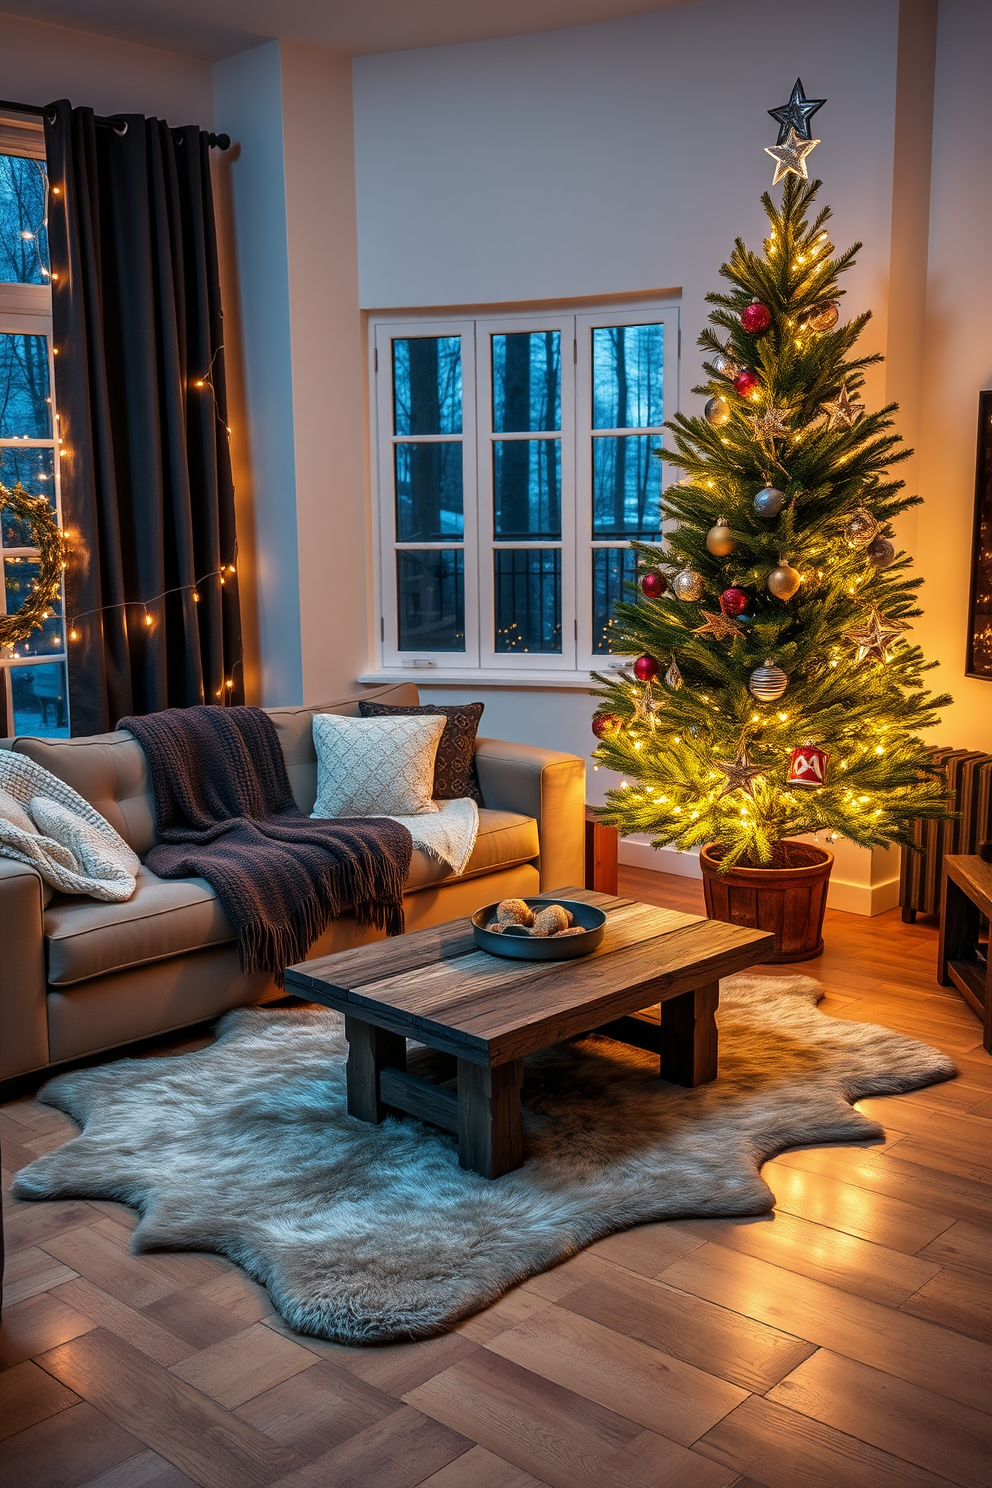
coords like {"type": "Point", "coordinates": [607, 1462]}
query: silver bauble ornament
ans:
{"type": "Point", "coordinates": [769, 502]}
{"type": "Point", "coordinates": [716, 412]}
{"type": "Point", "coordinates": [688, 584]}
{"type": "Point", "coordinates": [825, 318]}
{"type": "Point", "coordinates": [720, 540]}
{"type": "Point", "coordinates": [784, 581]}
{"type": "Point", "coordinates": [860, 528]}
{"type": "Point", "coordinates": [882, 552]}
{"type": "Point", "coordinates": [725, 365]}
{"type": "Point", "coordinates": [768, 682]}
{"type": "Point", "coordinates": [673, 677]}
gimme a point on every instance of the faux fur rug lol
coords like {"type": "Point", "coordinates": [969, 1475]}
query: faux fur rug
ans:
{"type": "Point", "coordinates": [366, 1234]}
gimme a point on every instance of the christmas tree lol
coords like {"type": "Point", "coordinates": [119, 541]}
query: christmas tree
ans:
{"type": "Point", "coordinates": [774, 692]}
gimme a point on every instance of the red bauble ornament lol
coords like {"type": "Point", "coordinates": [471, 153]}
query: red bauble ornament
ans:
{"type": "Point", "coordinates": [807, 765]}
{"type": "Point", "coordinates": [745, 382]}
{"type": "Point", "coordinates": [733, 602]}
{"type": "Point", "coordinates": [645, 669]}
{"type": "Point", "coordinates": [654, 584]}
{"type": "Point", "coordinates": [756, 318]}
{"type": "Point", "coordinates": [605, 723]}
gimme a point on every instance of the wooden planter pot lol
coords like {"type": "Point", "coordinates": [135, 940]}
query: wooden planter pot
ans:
{"type": "Point", "coordinates": [789, 898]}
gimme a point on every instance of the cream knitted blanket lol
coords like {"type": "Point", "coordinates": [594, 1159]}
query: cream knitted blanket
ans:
{"type": "Point", "coordinates": [45, 823]}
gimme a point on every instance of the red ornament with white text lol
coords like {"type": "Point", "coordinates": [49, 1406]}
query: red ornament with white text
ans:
{"type": "Point", "coordinates": [807, 765]}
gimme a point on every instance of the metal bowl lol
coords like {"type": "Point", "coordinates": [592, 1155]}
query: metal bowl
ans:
{"type": "Point", "coordinates": [527, 948]}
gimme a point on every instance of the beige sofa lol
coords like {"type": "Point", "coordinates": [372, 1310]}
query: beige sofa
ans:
{"type": "Point", "coordinates": [78, 976]}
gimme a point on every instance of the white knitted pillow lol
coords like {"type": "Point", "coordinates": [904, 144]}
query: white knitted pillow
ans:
{"type": "Point", "coordinates": [375, 766]}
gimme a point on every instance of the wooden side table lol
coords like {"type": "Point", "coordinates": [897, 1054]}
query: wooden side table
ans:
{"type": "Point", "coordinates": [602, 855]}
{"type": "Point", "coordinates": [963, 959]}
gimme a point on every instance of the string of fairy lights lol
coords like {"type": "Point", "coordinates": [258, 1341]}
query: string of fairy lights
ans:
{"type": "Point", "coordinates": [148, 619]}
{"type": "Point", "coordinates": [53, 547]}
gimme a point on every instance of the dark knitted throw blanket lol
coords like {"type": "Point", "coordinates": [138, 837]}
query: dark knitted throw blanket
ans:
{"type": "Point", "coordinates": [225, 812]}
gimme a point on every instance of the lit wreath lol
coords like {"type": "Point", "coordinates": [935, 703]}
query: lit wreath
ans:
{"type": "Point", "coordinates": [46, 536]}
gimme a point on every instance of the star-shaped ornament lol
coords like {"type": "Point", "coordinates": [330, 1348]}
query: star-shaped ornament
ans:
{"type": "Point", "coordinates": [874, 637]}
{"type": "Point", "coordinates": [843, 412]}
{"type": "Point", "coordinates": [796, 114]}
{"type": "Point", "coordinates": [645, 707]}
{"type": "Point", "coordinates": [772, 423]}
{"type": "Point", "coordinates": [740, 773]}
{"type": "Point", "coordinates": [719, 626]}
{"type": "Point", "coordinates": [790, 157]}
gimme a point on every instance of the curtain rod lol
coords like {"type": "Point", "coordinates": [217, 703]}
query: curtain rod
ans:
{"type": "Point", "coordinates": [221, 141]}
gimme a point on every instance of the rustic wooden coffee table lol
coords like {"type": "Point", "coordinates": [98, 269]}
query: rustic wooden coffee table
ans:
{"type": "Point", "coordinates": [437, 988]}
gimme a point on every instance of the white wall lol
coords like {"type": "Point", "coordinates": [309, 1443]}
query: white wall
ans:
{"type": "Point", "coordinates": [294, 268]}
{"type": "Point", "coordinates": [619, 158]}
{"type": "Point", "coordinates": [252, 186]}
{"type": "Point", "coordinates": [40, 63]}
{"type": "Point", "coordinates": [958, 355]}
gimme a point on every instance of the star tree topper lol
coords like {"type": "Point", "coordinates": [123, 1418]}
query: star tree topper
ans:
{"type": "Point", "coordinates": [796, 114]}
{"type": "Point", "coordinates": [740, 772]}
{"type": "Point", "coordinates": [874, 637]}
{"type": "Point", "coordinates": [790, 157]}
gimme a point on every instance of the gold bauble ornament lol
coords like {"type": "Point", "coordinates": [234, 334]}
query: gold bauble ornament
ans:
{"type": "Point", "coordinates": [688, 584]}
{"type": "Point", "coordinates": [717, 412]}
{"type": "Point", "coordinates": [784, 581]}
{"type": "Point", "coordinates": [720, 540]}
{"type": "Point", "coordinates": [825, 318]}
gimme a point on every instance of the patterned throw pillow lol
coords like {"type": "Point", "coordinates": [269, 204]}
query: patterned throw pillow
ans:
{"type": "Point", "coordinates": [454, 767]}
{"type": "Point", "coordinates": [374, 766]}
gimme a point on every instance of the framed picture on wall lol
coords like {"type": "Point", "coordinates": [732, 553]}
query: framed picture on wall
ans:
{"type": "Point", "coordinates": [979, 662]}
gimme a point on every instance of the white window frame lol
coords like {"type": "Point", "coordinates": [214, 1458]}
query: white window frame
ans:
{"type": "Point", "coordinates": [26, 309]}
{"type": "Point", "coordinates": [480, 661]}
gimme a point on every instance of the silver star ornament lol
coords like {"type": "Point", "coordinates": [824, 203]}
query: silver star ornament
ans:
{"type": "Point", "coordinates": [790, 157]}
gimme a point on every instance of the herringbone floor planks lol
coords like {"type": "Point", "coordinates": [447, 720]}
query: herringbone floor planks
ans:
{"type": "Point", "coordinates": [843, 1342]}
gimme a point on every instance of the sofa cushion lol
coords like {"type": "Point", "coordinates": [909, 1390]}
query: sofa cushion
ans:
{"type": "Point", "coordinates": [454, 763]}
{"type": "Point", "coordinates": [164, 917]}
{"type": "Point", "coordinates": [168, 917]}
{"type": "Point", "coordinates": [295, 729]}
{"type": "Point", "coordinates": [505, 838]}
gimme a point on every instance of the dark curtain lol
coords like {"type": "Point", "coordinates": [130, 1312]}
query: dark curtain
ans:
{"type": "Point", "coordinates": [147, 494]}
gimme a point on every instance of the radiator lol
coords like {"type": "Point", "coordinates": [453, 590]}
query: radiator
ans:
{"type": "Point", "coordinates": [969, 783]}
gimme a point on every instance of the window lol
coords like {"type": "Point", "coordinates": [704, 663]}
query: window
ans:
{"type": "Point", "coordinates": [33, 673]}
{"type": "Point", "coordinates": [516, 463]}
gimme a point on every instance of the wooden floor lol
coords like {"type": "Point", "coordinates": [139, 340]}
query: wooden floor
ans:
{"type": "Point", "coordinates": [844, 1342]}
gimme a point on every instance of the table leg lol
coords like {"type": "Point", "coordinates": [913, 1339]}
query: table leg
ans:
{"type": "Point", "coordinates": [370, 1050]}
{"type": "Point", "coordinates": [490, 1124]}
{"type": "Point", "coordinates": [959, 923]}
{"type": "Point", "coordinates": [689, 1036]}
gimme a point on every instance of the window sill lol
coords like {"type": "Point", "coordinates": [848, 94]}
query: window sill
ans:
{"type": "Point", "coordinates": [480, 677]}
